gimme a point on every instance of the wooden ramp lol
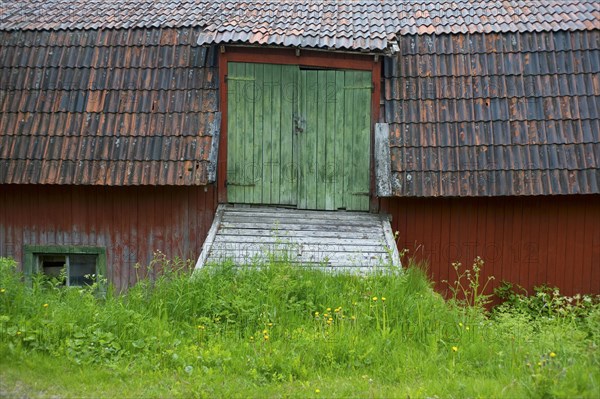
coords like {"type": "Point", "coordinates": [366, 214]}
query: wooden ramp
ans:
{"type": "Point", "coordinates": [340, 241]}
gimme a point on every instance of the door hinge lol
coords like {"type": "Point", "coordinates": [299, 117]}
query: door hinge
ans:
{"type": "Point", "coordinates": [228, 183]}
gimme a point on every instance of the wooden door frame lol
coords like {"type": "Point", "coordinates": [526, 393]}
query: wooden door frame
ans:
{"type": "Point", "coordinates": [308, 58]}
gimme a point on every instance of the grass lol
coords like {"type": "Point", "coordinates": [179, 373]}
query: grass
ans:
{"type": "Point", "coordinates": [279, 331]}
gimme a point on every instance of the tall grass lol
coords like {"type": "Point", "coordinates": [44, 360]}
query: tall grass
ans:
{"type": "Point", "coordinates": [279, 324]}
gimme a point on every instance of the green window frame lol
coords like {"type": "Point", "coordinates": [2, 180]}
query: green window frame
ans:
{"type": "Point", "coordinates": [31, 253]}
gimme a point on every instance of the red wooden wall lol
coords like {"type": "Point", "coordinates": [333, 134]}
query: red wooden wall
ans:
{"type": "Point", "coordinates": [524, 240]}
{"type": "Point", "coordinates": [131, 222]}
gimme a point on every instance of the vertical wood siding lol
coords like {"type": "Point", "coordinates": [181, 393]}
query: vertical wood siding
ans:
{"type": "Point", "coordinates": [524, 240]}
{"type": "Point", "coordinates": [130, 222]}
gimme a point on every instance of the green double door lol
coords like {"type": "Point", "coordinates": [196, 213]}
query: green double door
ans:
{"type": "Point", "coordinates": [298, 137]}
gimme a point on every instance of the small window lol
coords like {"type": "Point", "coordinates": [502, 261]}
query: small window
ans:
{"type": "Point", "coordinates": [78, 268]}
{"type": "Point", "coordinates": [80, 265]}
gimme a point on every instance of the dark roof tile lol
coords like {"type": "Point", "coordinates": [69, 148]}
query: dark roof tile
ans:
{"type": "Point", "coordinates": [528, 123]}
{"type": "Point", "coordinates": [73, 114]}
{"type": "Point", "coordinates": [361, 24]}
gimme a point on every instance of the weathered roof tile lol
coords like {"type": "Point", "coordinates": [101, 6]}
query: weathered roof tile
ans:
{"type": "Point", "coordinates": [527, 124]}
{"type": "Point", "coordinates": [76, 114]}
{"type": "Point", "coordinates": [367, 25]}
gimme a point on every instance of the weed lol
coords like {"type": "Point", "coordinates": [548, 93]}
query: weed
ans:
{"type": "Point", "coordinates": [280, 330]}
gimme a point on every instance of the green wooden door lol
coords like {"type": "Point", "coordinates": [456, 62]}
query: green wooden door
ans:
{"type": "Point", "coordinates": [298, 137]}
{"type": "Point", "coordinates": [334, 143]}
{"type": "Point", "coordinates": [260, 142]}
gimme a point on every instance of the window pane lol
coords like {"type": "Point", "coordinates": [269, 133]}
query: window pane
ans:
{"type": "Point", "coordinates": [52, 265]}
{"type": "Point", "coordinates": [81, 266]}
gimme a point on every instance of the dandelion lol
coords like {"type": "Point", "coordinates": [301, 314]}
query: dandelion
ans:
{"type": "Point", "coordinates": [455, 349]}
{"type": "Point", "coordinates": [540, 364]}
{"type": "Point", "coordinates": [2, 291]}
{"type": "Point", "coordinates": [265, 332]}
{"type": "Point", "coordinates": [45, 305]}
{"type": "Point", "coordinates": [374, 299]}
{"type": "Point", "coordinates": [251, 338]}
{"type": "Point", "coordinates": [552, 354]}
{"type": "Point", "coordinates": [467, 328]}
{"type": "Point", "coordinates": [18, 332]}
{"type": "Point", "coordinates": [317, 390]}
{"type": "Point", "coordinates": [460, 324]}
{"type": "Point", "coordinates": [329, 309]}
{"type": "Point", "coordinates": [270, 324]}
{"type": "Point", "coordinates": [353, 317]}
{"type": "Point", "coordinates": [317, 314]}
{"type": "Point", "coordinates": [266, 337]}
{"type": "Point", "coordinates": [382, 299]}
{"type": "Point", "coordinates": [201, 327]}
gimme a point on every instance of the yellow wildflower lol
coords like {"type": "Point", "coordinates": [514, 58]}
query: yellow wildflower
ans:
{"type": "Point", "coordinates": [374, 299]}
{"type": "Point", "coordinates": [353, 317]}
{"type": "Point", "coordinates": [383, 299]}
{"type": "Point", "coordinates": [455, 349]}
{"type": "Point", "coordinates": [270, 324]}
{"type": "Point", "coordinates": [45, 305]}
{"type": "Point", "coordinates": [329, 309]}
{"type": "Point", "coordinates": [317, 314]}
{"type": "Point", "coordinates": [467, 328]}
{"type": "Point", "coordinates": [266, 337]}
{"type": "Point", "coordinates": [18, 332]}
{"type": "Point", "coordinates": [3, 290]}
{"type": "Point", "coordinates": [460, 324]}
{"type": "Point", "coordinates": [317, 390]}
{"type": "Point", "coordinates": [552, 354]}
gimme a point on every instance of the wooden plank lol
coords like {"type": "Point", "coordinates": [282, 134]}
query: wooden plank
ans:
{"type": "Point", "coordinates": [282, 220]}
{"type": "Point", "coordinates": [288, 164]}
{"type": "Point", "coordinates": [298, 254]}
{"type": "Point", "coordinates": [214, 130]}
{"type": "Point", "coordinates": [349, 121]}
{"type": "Point", "coordinates": [308, 138]}
{"type": "Point", "coordinates": [275, 232]}
{"type": "Point", "coordinates": [208, 242]}
{"type": "Point", "coordinates": [249, 166]}
{"type": "Point", "coordinates": [383, 162]}
{"type": "Point", "coordinates": [340, 126]}
{"type": "Point", "coordinates": [329, 169]}
{"type": "Point", "coordinates": [321, 139]}
{"type": "Point", "coordinates": [235, 156]}
{"type": "Point", "coordinates": [355, 241]}
{"type": "Point", "coordinates": [261, 146]}
{"type": "Point", "coordinates": [311, 227]}
{"type": "Point", "coordinates": [276, 134]}
{"type": "Point", "coordinates": [308, 247]}
{"type": "Point", "coordinates": [391, 242]}
{"type": "Point", "coordinates": [300, 133]}
{"type": "Point", "coordinates": [362, 140]}
{"type": "Point", "coordinates": [336, 215]}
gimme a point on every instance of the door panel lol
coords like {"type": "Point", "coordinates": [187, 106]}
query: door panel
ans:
{"type": "Point", "coordinates": [260, 158]}
{"type": "Point", "coordinates": [298, 137]}
{"type": "Point", "coordinates": [334, 148]}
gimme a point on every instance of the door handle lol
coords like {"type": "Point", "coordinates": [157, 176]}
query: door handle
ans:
{"type": "Point", "coordinates": [299, 124]}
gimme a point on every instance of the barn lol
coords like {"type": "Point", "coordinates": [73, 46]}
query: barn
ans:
{"type": "Point", "coordinates": [470, 128]}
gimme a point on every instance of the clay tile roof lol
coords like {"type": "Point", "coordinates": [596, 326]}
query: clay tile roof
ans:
{"type": "Point", "coordinates": [367, 25]}
{"type": "Point", "coordinates": [114, 107]}
{"type": "Point", "coordinates": [494, 114]}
